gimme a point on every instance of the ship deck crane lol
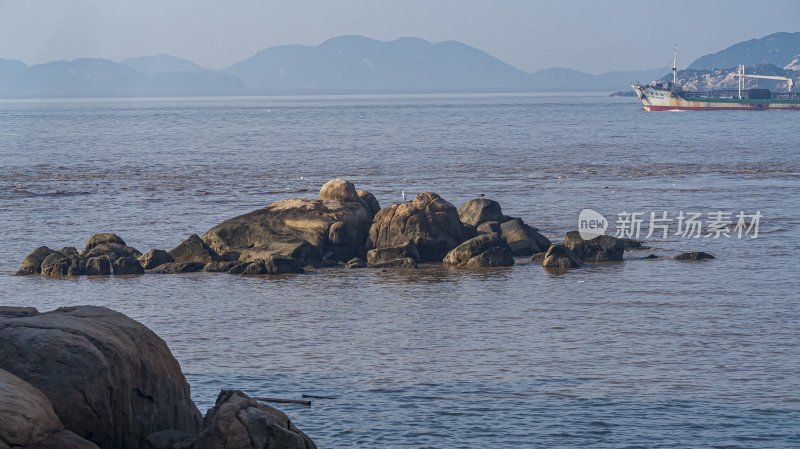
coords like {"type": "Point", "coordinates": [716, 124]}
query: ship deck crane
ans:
{"type": "Point", "coordinates": [742, 76]}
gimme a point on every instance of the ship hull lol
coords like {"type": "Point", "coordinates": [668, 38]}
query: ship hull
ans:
{"type": "Point", "coordinates": [655, 99]}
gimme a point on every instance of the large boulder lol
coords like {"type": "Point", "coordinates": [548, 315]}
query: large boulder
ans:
{"type": "Point", "coordinates": [336, 224]}
{"type": "Point", "coordinates": [480, 210]}
{"type": "Point", "coordinates": [55, 265]}
{"type": "Point", "coordinates": [154, 258]}
{"type": "Point", "coordinates": [560, 257]}
{"type": "Point", "coordinates": [430, 222]}
{"type": "Point", "coordinates": [239, 421]}
{"type": "Point", "coordinates": [109, 378]}
{"type": "Point", "coordinates": [603, 248]}
{"type": "Point", "coordinates": [103, 238]}
{"type": "Point", "coordinates": [194, 249]}
{"type": "Point", "coordinates": [32, 264]}
{"type": "Point", "coordinates": [524, 240]}
{"type": "Point", "coordinates": [485, 250]}
{"type": "Point", "coordinates": [98, 266]}
{"type": "Point", "coordinates": [27, 419]}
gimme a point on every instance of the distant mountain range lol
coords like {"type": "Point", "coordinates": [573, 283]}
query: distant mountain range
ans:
{"type": "Point", "coordinates": [347, 64]}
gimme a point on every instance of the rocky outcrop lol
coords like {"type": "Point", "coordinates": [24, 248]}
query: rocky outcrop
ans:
{"type": "Point", "coordinates": [485, 250]}
{"type": "Point", "coordinates": [303, 251]}
{"type": "Point", "coordinates": [194, 249]}
{"type": "Point", "coordinates": [27, 419]}
{"type": "Point", "coordinates": [238, 421]}
{"type": "Point", "coordinates": [429, 222]}
{"type": "Point", "coordinates": [603, 248]}
{"type": "Point", "coordinates": [391, 255]}
{"type": "Point", "coordinates": [336, 224]}
{"type": "Point", "coordinates": [109, 378]}
{"type": "Point", "coordinates": [694, 256]}
{"type": "Point", "coordinates": [480, 210]}
{"type": "Point", "coordinates": [561, 257]}
{"type": "Point", "coordinates": [524, 240]}
{"type": "Point", "coordinates": [154, 258]}
{"type": "Point", "coordinates": [32, 264]}
{"type": "Point", "coordinates": [112, 251]}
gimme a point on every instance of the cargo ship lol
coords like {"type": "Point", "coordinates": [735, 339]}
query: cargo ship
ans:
{"type": "Point", "coordinates": [659, 96]}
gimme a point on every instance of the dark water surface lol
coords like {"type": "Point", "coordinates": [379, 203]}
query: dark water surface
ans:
{"type": "Point", "coordinates": [647, 353]}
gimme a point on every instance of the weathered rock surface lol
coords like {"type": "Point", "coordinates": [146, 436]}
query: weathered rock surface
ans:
{"type": "Point", "coordinates": [487, 227]}
{"type": "Point", "coordinates": [355, 262]}
{"type": "Point", "coordinates": [273, 265]}
{"type": "Point", "coordinates": [480, 210]}
{"type": "Point", "coordinates": [55, 265]}
{"type": "Point", "coordinates": [560, 256]}
{"type": "Point", "coordinates": [430, 222]}
{"type": "Point", "coordinates": [219, 267]}
{"type": "Point", "coordinates": [127, 265]}
{"type": "Point", "coordinates": [154, 258]}
{"type": "Point", "coordinates": [32, 264]}
{"type": "Point", "coordinates": [694, 256]}
{"type": "Point", "coordinates": [303, 251]}
{"type": "Point", "coordinates": [103, 238]}
{"type": "Point", "coordinates": [112, 251]}
{"type": "Point", "coordinates": [27, 419]}
{"type": "Point", "coordinates": [485, 250]}
{"type": "Point", "coordinates": [604, 248]}
{"type": "Point", "coordinates": [337, 224]}
{"type": "Point", "coordinates": [178, 267]}
{"type": "Point", "coordinates": [538, 258]}
{"type": "Point", "coordinates": [194, 249]}
{"type": "Point", "coordinates": [370, 200]}
{"type": "Point", "coordinates": [239, 421]}
{"type": "Point", "coordinates": [109, 378]}
{"type": "Point", "coordinates": [98, 266]}
{"type": "Point", "coordinates": [400, 262]}
{"type": "Point", "coordinates": [382, 256]}
{"type": "Point", "coordinates": [524, 240]}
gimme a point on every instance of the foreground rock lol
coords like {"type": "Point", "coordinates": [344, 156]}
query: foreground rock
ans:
{"type": "Point", "coordinates": [239, 421]}
{"type": "Point", "coordinates": [429, 222]}
{"type": "Point", "coordinates": [561, 257]}
{"type": "Point", "coordinates": [109, 379]}
{"type": "Point", "coordinates": [604, 248]}
{"type": "Point", "coordinates": [486, 250]}
{"type": "Point", "coordinates": [694, 256]}
{"type": "Point", "coordinates": [336, 225]}
{"type": "Point", "coordinates": [27, 419]}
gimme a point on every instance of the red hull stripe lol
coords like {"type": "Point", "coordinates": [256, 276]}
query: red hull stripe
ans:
{"type": "Point", "coordinates": [731, 108]}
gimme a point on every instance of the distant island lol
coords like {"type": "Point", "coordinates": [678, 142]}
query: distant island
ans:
{"type": "Point", "coordinates": [357, 64]}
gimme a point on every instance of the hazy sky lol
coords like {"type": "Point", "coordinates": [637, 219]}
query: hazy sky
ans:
{"type": "Point", "coordinates": [592, 36]}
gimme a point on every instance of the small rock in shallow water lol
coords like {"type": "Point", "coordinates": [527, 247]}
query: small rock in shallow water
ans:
{"type": "Point", "coordinates": [154, 258]}
{"type": "Point", "coordinates": [178, 267]}
{"type": "Point", "coordinates": [355, 262]}
{"type": "Point", "coordinates": [692, 256]}
{"type": "Point", "coordinates": [98, 266]}
{"type": "Point", "coordinates": [560, 256]}
{"type": "Point", "coordinates": [127, 265]}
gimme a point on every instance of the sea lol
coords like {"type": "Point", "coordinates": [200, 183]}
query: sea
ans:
{"type": "Point", "coordinates": [646, 353]}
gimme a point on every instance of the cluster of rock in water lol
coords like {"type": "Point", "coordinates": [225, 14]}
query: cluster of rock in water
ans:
{"type": "Point", "coordinates": [88, 377]}
{"type": "Point", "coordinates": [342, 226]}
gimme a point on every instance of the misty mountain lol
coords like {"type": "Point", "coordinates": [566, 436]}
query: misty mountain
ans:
{"type": "Point", "coordinates": [560, 79]}
{"type": "Point", "coordinates": [91, 77]}
{"type": "Point", "coordinates": [162, 63]}
{"type": "Point", "coordinates": [779, 49]}
{"type": "Point", "coordinates": [360, 63]}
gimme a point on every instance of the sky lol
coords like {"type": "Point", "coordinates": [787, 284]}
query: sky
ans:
{"type": "Point", "coordinates": [591, 36]}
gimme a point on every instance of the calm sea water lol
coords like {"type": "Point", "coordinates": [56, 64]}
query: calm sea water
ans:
{"type": "Point", "coordinates": [647, 353]}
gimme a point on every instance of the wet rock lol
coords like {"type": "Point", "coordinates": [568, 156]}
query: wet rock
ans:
{"type": "Point", "coordinates": [127, 265]}
{"type": "Point", "coordinates": [69, 252]}
{"type": "Point", "coordinates": [32, 264]}
{"type": "Point", "coordinates": [485, 250]}
{"type": "Point", "coordinates": [219, 266]}
{"type": "Point", "coordinates": [400, 262]}
{"type": "Point", "coordinates": [355, 262]}
{"type": "Point", "coordinates": [109, 378]}
{"type": "Point", "coordinates": [429, 222]}
{"type": "Point", "coordinates": [524, 240]}
{"type": "Point", "coordinates": [631, 244]}
{"type": "Point", "coordinates": [560, 256]}
{"type": "Point", "coordinates": [294, 221]}
{"type": "Point", "coordinates": [194, 249]}
{"type": "Point", "coordinates": [488, 227]}
{"type": "Point", "coordinates": [370, 200]}
{"type": "Point", "coordinates": [154, 258]}
{"type": "Point", "coordinates": [651, 256]}
{"type": "Point", "coordinates": [27, 419]}
{"type": "Point", "coordinates": [178, 267]}
{"type": "Point", "coordinates": [98, 266]}
{"type": "Point", "coordinates": [694, 256]}
{"type": "Point", "coordinates": [112, 251]}
{"type": "Point", "coordinates": [480, 210]}
{"type": "Point", "coordinates": [302, 251]}
{"type": "Point", "coordinates": [103, 238]}
{"type": "Point", "coordinates": [273, 265]}
{"type": "Point", "coordinates": [538, 258]}
{"type": "Point", "coordinates": [55, 265]}
{"type": "Point", "coordinates": [381, 256]}
{"type": "Point", "coordinates": [239, 421]}
{"type": "Point", "coordinates": [604, 248]}
{"type": "Point", "coordinates": [239, 268]}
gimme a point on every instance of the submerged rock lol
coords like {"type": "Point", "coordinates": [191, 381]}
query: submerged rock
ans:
{"type": "Point", "coordinates": [273, 265]}
{"type": "Point", "coordinates": [560, 256]}
{"type": "Point", "coordinates": [604, 248]}
{"type": "Point", "coordinates": [694, 256]}
{"type": "Point", "coordinates": [485, 250]}
{"type": "Point", "coordinates": [538, 257]}
{"type": "Point", "coordinates": [109, 379]}
{"type": "Point", "coordinates": [193, 249]}
{"type": "Point", "coordinates": [32, 264]}
{"type": "Point", "coordinates": [383, 257]}
{"type": "Point", "coordinates": [178, 267]}
{"type": "Point", "coordinates": [429, 222]}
